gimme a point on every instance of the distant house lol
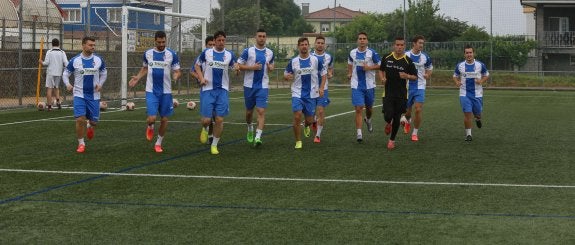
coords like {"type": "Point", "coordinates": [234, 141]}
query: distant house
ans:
{"type": "Point", "coordinates": [40, 18]}
{"type": "Point", "coordinates": [106, 15]}
{"type": "Point", "coordinates": [323, 20]}
{"type": "Point", "coordinates": [554, 31]}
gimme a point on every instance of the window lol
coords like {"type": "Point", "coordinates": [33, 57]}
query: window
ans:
{"type": "Point", "coordinates": [73, 15]}
{"type": "Point", "coordinates": [114, 15]}
{"type": "Point", "coordinates": [572, 60]}
{"type": "Point", "coordinates": [560, 24]}
{"type": "Point", "coordinates": [325, 27]}
{"type": "Point", "coordinates": [156, 19]}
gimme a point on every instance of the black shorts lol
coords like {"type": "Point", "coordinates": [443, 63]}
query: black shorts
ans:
{"type": "Point", "coordinates": [394, 105]}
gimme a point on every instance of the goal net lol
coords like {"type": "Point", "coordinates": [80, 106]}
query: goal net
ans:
{"type": "Point", "coordinates": [185, 34]}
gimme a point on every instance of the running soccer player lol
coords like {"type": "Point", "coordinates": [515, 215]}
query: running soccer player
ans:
{"type": "Point", "coordinates": [361, 66]}
{"type": "Point", "coordinates": [158, 63]}
{"type": "Point", "coordinates": [215, 84]}
{"type": "Point", "coordinates": [416, 91]}
{"type": "Point", "coordinates": [209, 42]}
{"type": "Point", "coordinates": [322, 102]}
{"type": "Point", "coordinates": [306, 71]}
{"type": "Point", "coordinates": [257, 61]}
{"type": "Point", "coordinates": [469, 76]}
{"type": "Point", "coordinates": [396, 69]}
{"type": "Point", "coordinates": [89, 76]}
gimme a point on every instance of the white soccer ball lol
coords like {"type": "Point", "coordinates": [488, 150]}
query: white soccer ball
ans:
{"type": "Point", "coordinates": [191, 105]}
{"type": "Point", "coordinates": [130, 106]}
{"type": "Point", "coordinates": [41, 106]}
{"type": "Point", "coordinates": [175, 102]}
{"type": "Point", "coordinates": [103, 105]}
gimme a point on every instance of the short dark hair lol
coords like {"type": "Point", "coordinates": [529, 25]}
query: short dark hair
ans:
{"type": "Point", "coordinates": [55, 42]}
{"type": "Point", "coordinates": [362, 33]}
{"type": "Point", "coordinates": [301, 40]}
{"type": "Point", "coordinates": [209, 39]}
{"type": "Point", "coordinates": [417, 38]}
{"type": "Point", "coordinates": [399, 39]}
{"type": "Point", "coordinates": [320, 37]}
{"type": "Point", "coordinates": [219, 33]}
{"type": "Point", "coordinates": [261, 30]}
{"type": "Point", "coordinates": [160, 34]}
{"type": "Point", "coordinates": [468, 46]}
{"type": "Point", "coordinates": [86, 39]}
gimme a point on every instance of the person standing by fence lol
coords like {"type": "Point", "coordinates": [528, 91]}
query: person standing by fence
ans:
{"type": "Point", "coordinates": [56, 61]}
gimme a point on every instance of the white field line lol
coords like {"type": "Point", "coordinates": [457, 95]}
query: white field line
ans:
{"type": "Point", "coordinates": [183, 122]}
{"type": "Point", "coordinates": [48, 119]}
{"type": "Point", "coordinates": [383, 182]}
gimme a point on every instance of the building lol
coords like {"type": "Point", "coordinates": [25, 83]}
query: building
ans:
{"type": "Point", "coordinates": [326, 20]}
{"type": "Point", "coordinates": [555, 33]}
{"type": "Point", "coordinates": [40, 19]}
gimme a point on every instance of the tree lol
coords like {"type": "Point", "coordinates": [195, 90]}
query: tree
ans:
{"type": "Point", "coordinates": [474, 33]}
{"type": "Point", "coordinates": [372, 24]}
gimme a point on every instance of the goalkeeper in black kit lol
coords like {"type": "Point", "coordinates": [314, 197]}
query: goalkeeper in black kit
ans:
{"type": "Point", "coordinates": [395, 70]}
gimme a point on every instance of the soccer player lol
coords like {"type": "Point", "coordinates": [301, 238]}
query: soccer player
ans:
{"type": "Point", "coordinates": [209, 42]}
{"type": "Point", "coordinates": [89, 76]}
{"type": "Point", "coordinates": [306, 71]}
{"type": "Point", "coordinates": [56, 61]}
{"type": "Point", "coordinates": [396, 69]}
{"type": "Point", "coordinates": [158, 64]}
{"type": "Point", "coordinates": [416, 91]}
{"type": "Point", "coordinates": [361, 66]}
{"type": "Point", "coordinates": [469, 76]}
{"type": "Point", "coordinates": [215, 84]}
{"type": "Point", "coordinates": [322, 102]}
{"type": "Point", "coordinates": [256, 61]}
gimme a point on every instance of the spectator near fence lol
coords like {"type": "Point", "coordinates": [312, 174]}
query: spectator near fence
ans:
{"type": "Point", "coordinates": [56, 60]}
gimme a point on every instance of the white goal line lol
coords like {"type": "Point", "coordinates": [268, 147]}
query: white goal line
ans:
{"type": "Point", "coordinates": [212, 177]}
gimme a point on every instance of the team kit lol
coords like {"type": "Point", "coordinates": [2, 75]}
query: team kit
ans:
{"type": "Point", "coordinates": [403, 74]}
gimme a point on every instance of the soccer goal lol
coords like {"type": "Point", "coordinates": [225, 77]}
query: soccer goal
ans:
{"type": "Point", "coordinates": [185, 33]}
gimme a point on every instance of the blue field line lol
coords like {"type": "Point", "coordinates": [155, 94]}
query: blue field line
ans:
{"type": "Point", "coordinates": [306, 210]}
{"type": "Point", "coordinates": [125, 170]}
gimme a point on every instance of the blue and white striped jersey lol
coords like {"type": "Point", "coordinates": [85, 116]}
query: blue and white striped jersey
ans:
{"type": "Point", "coordinates": [361, 79]}
{"type": "Point", "coordinates": [307, 76]}
{"type": "Point", "coordinates": [468, 73]}
{"type": "Point", "coordinates": [160, 65]}
{"type": "Point", "coordinates": [88, 72]}
{"type": "Point", "coordinates": [327, 60]}
{"type": "Point", "coordinates": [422, 63]}
{"type": "Point", "coordinates": [216, 70]}
{"type": "Point", "coordinates": [251, 56]}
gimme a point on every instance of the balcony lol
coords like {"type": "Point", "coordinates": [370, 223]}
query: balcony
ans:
{"type": "Point", "coordinates": [556, 39]}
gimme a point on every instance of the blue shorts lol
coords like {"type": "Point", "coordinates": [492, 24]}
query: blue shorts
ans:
{"type": "Point", "coordinates": [323, 101]}
{"type": "Point", "coordinates": [362, 97]}
{"type": "Point", "coordinates": [471, 104]}
{"type": "Point", "coordinates": [214, 102]}
{"type": "Point", "coordinates": [305, 105]}
{"type": "Point", "coordinates": [88, 108]}
{"type": "Point", "coordinates": [162, 103]}
{"type": "Point", "coordinates": [257, 97]}
{"type": "Point", "coordinates": [415, 96]}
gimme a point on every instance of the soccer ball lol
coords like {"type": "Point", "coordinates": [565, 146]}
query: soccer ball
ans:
{"type": "Point", "coordinates": [130, 106]}
{"type": "Point", "coordinates": [103, 105]}
{"type": "Point", "coordinates": [176, 103]}
{"type": "Point", "coordinates": [191, 105]}
{"type": "Point", "coordinates": [41, 106]}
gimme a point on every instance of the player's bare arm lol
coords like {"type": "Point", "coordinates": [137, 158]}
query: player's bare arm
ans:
{"type": "Point", "coordinates": [143, 71]}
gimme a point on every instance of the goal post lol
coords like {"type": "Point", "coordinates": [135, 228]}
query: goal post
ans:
{"type": "Point", "coordinates": [125, 41]}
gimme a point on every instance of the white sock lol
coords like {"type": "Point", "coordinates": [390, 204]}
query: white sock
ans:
{"type": "Point", "coordinates": [250, 127]}
{"type": "Point", "coordinates": [467, 131]}
{"type": "Point", "coordinates": [414, 131]}
{"type": "Point", "coordinates": [206, 128]}
{"type": "Point", "coordinates": [259, 133]}
{"type": "Point", "coordinates": [359, 131]}
{"type": "Point", "coordinates": [151, 126]}
{"type": "Point", "coordinates": [215, 142]}
{"type": "Point", "coordinates": [81, 141]}
{"type": "Point", "coordinates": [88, 125]}
{"type": "Point", "coordinates": [159, 140]}
{"type": "Point", "coordinates": [319, 128]}
{"type": "Point", "coordinates": [210, 135]}
{"type": "Point", "coordinates": [403, 118]}
{"type": "Point", "coordinates": [368, 120]}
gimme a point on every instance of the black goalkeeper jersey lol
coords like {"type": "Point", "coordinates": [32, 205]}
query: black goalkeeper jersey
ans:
{"type": "Point", "coordinates": [395, 87]}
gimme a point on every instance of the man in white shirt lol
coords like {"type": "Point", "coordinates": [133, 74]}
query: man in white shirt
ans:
{"type": "Point", "coordinates": [56, 60]}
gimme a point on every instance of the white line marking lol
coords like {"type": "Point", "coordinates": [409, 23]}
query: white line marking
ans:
{"type": "Point", "coordinates": [288, 179]}
{"type": "Point", "coordinates": [48, 119]}
{"type": "Point", "coordinates": [184, 122]}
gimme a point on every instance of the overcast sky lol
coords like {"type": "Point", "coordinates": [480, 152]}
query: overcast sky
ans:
{"type": "Point", "coordinates": [508, 17]}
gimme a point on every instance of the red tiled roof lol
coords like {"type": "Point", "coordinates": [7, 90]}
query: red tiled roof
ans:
{"type": "Point", "coordinates": [340, 13]}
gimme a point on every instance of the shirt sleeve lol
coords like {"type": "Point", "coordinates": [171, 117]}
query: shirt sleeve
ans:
{"type": "Point", "coordinates": [244, 57]}
{"type": "Point", "coordinates": [289, 69]}
{"type": "Point", "coordinates": [175, 62]}
{"type": "Point", "coordinates": [457, 73]}
{"type": "Point", "coordinates": [376, 58]}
